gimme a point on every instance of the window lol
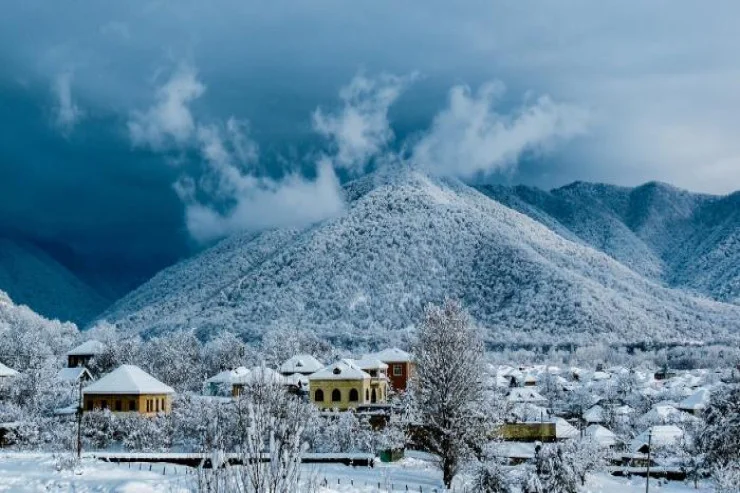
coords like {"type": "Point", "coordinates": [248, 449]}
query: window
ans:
{"type": "Point", "coordinates": [354, 396]}
{"type": "Point", "coordinates": [318, 396]}
{"type": "Point", "coordinates": [132, 406]}
{"type": "Point", "coordinates": [90, 405]}
{"type": "Point", "coordinates": [119, 406]}
{"type": "Point", "coordinates": [157, 402]}
{"type": "Point", "coordinates": [397, 370]}
{"type": "Point", "coordinates": [336, 395]}
{"type": "Point", "coordinates": [367, 395]}
{"type": "Point", "coordinates": [162, 405]}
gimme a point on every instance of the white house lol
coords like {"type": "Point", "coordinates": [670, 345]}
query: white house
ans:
{"type": "Point", "coordinates": [601, 436]}
{"type": "Point", "coordinates": [74, 375]}
{"type": "Point", "coordinates": [697, 402]}
{"type": "Point", "coordinates": [657, 436]}
{"type": "Point", "coordinates": [223, 382]}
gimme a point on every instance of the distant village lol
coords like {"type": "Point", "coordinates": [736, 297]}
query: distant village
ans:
{"type": "Point", "coordinates": [638, 419]}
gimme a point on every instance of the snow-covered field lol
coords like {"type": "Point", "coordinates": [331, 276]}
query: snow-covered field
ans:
{"type": "Point", "coordinates": [39, 472]}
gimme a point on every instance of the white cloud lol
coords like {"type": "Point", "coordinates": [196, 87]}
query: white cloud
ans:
{"type": "Point", "coordinates": [227, 195]}
{"type": "Point", "coordinates": [169, 120]}
{"type": "Point", "coordinates": [263, 203]}
{"type": "Point", "coordinates": [470, 137]}
{"type": "Point", "coordinates": [66, 114]}
{"type": "Point", "coordinates": [360, 129]}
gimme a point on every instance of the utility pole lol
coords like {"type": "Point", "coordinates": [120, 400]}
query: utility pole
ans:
{"type": "Point", "coordinates": [650, 446]}
{"type": "Point", "coordinates": [79, 422]}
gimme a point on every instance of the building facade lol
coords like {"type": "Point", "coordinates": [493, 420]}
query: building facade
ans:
{"type": "Point", "coordinates": [342, 386]}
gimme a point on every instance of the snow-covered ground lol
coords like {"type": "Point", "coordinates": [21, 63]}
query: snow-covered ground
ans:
{"type": "Point", "coordinates": [39, 472]}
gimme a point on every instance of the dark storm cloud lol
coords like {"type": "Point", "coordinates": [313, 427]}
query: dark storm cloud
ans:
{"type": "Point", "coordinates": [657, 80]}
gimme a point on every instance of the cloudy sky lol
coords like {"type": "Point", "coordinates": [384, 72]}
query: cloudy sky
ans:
{"type": "Point", "coordinates": [141, 130]}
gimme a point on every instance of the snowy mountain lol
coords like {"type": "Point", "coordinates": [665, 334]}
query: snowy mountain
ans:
{"type": "Point", "coordinates": [682, 239]}
{"type": "Point", "coordinates": [32, 277]}
{"type": "Point", "coordinates": [406, 240]}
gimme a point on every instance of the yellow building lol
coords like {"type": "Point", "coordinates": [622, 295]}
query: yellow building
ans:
{"type": "Point", "coordinates": [343, 386]}
{"type": "Point", "coordinates": [128, 389]}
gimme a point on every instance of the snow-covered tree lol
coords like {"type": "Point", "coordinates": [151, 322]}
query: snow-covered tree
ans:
{"type": "Point", "coordinates": [720, 439]}
{"type": "Point", "coordinates": [449, 385]}
{"type": "Point", "coordinates": [556, 472]}
{"type": "Point", "coordinates": [271, 422]}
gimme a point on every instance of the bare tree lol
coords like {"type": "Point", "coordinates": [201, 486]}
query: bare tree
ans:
{"type": "Point", "coordinates": [449, 386]}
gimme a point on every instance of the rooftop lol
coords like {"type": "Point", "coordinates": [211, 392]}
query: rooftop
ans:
{"type": "Point", "coordinates": [130, 380]}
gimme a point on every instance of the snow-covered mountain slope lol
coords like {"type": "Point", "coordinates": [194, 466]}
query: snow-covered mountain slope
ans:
{"type": "Point", "coordinates": [406, 240]}
{"type": "Point", "coordinates": [33, 278]}
{"type": "Point", "coordinates": [685, 240]}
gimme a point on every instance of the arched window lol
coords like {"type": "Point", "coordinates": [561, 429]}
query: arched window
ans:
{"type": "Point", "coordinates": [336, 395]}
{"type": "Point", "coordinates": [318, 396]}
{"type": "Point", "coordinates": [367, 395]}
{"type": "Point", "coordinates": [354, 396]}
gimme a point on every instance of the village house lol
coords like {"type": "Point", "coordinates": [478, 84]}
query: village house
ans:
{"type": "Point", "coordinates": [128, 389]}
{"type": "Point", "coordinates": [256, 375]}
{"type": "Point", "coordinates": [82, 354]}
{"type": "Point", "coordinates": [400, 366]}
{"type": "Point", "coordinates": [696, 403]}
{"type": "Point", "coordinates": [223, 382]}
{"type": "Point", "coordinates": [74, 375]}
{"type": "Point", "coordinates": [378, 372]}
{"type": "Point", "coordinates": [343, 386]}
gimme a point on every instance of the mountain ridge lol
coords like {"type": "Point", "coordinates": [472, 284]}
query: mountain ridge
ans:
{"type": "Point", "coordinates": [407, 239]}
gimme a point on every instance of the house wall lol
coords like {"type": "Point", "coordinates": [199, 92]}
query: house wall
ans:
{"type": "Point", "coordinates": [144, 404]}
{"type": "Point", "coordinates": [528, 432]}
{"type": "Point", "coordinates": [344, 386]}
{"type": "Point", "coordinates": [399, 382]}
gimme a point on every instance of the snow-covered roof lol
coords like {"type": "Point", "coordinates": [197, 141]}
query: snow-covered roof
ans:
{"type": "Point", "coordinates": [301, 363]}
{"type": "Point", "coordinates": [128, 379]}
{"type": "Point", "coordinates": [661, 437]}
{"type": "Point", "coordinates": [228, 376]}
{"type": "Point", "coordinates": [297, 379]}
{"type": "Point", "coordinates": [601, 436]}
{"type": "Point", "coordinates": [564, 430]}
{"type": "Point", "coordinates": [366, 364]}
{"type": "Point", "coordinates": [697, 401]}
{"type": "Point", "coordinates": [259, 374]}
{"type": "Point", "coordinates": [390, 355]}
{"type": "Point", "coordinates": [594, 415]}
{"type": "Point", "coordinates": [339, 371]}
{"type": "Point", "coordinates": [523, 394]}
{"type": "Point", "coordinates": [73, 374]}
{"type": "Point", "coordinates": [87, 348]}
{"type": "Point", "coordinates": [6, 371]}
{"type": "Point", "coordinates": [665, 413]}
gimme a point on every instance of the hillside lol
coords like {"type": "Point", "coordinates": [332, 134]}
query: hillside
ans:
{"type": "Point", "coordinates": [406, 240]}
{"type": "Point", "coordinates": [31, 277]}
{"type": "Point", "coordinates": [681, 239]}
